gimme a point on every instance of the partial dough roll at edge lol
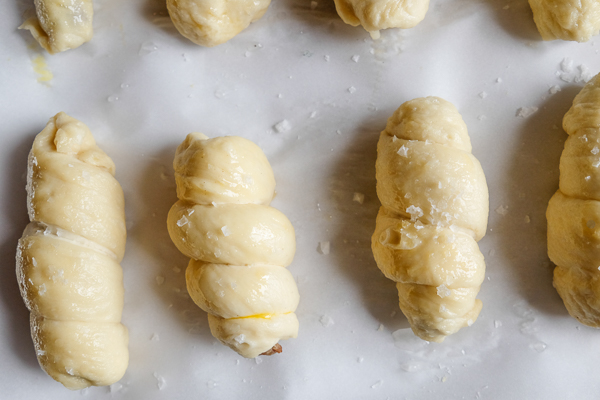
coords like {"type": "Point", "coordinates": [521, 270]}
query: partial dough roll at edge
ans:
{"type": "Point", "coordinates": [573, 212]}
{"type": "Point", "coordinates": [61, 25]}
{"type": "Point", "coordinates": [575, 20]}
{"type": "Point", "coordinates": [426, 237]}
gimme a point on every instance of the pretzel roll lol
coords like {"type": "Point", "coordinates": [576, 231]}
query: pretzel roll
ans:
{"type": "Point", "coordinates": [434, 210]}
{"type": "Point", "coordinates": [238, 244]}
{"type": "Point", "coordinates": [68, 257]}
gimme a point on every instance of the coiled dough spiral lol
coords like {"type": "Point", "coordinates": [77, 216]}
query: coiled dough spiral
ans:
{"type": "Point", "coordinates": [576, 20]}
{"type": "Point", "coordinates": [68, 257]}
{"type": "Point", "coordinates": [238, 244]}
{"type": "Point", "coordinates": [573, 212]}
{"type": "Point", "coordinates": [434, 210]}
{"type": "Point", "coordinates": [375, 15]}
{"type": "Point", "coordinates": [61, 24]}
{"type": "Point", "coordinates": [212, 22]}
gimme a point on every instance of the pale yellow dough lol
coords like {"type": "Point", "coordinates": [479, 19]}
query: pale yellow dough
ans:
{"type": "Point", "coordinates": [375, 15]}
{"type": "Point", "coordinates": [434, 210]}
{"type": "Point", "coordinates": [576, 20]}
{"type": "Point", "coordinates": [574, 211]}
{"type": "Point", "coordinates": [68, 257]}
{"type": "Point", "coordinates": [61, 24]}
{"type": "Point", "coordinates": [239, 246]}
{"type": "Point", "coordinates": [212, 22]}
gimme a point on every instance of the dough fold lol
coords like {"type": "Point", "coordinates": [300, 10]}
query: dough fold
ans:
{"type": "Point", "coordinates": [212, 22]}
{"type": "Point", "coordinates": [434, 210]}
{"type": "Point", "coordinates": [68, 257]}
{"type": "Point", "coordinates": [61, 24]}
{"type": "Point", "coordinates": [239, 246]}
{"type": "Point", "coordinates": [576, 20]}
{"type": "Point", "coordinates": [375, 15]}
{"type": "Point", "coordinates": [573, 212]}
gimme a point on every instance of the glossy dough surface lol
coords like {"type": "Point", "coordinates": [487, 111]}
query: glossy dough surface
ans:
{"type": "Point", "coordinates": [577, 20]}
{"type": "Point", "coordinates": [574, 211]}
{"type": "Point", "coordinates": [375, 15]}
{"type": "Point", "coordinates": [68, 257]}
{"type": "Point", "coordinates": [61, 24]}
{"type": "Point", "coordinates": [434, 210]}
{"type": "Point", "coordinates": [239, 246]}
{"type": "Point", "coordinates": [212, 22]}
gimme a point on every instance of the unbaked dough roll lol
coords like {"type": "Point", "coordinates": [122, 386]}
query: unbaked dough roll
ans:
{"type": "Point", "coordinates": [239, 246]}
{"type": "Point", "coordinates": [61, 24]}
{"type": "Point", "coordinates": [434, 210]}
{"type": "Point", "coordinates": [68, 257]}
{"type": "Point", "coordinates": [375, 15]}
{"type": "Point", "coordinates": [212, 22]}
{"type": "Point", "coordinates": [574, 211]}
{"type": "Point", "coordinates": [577, 20]}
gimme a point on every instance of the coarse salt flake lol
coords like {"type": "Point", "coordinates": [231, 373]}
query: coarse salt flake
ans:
{"type": "Point", "coordinates": [502, 210]}
{"type": "Point", "coordinates": [443, 291]}
{"type": "Point", "coordinates": [403, 151]}
{"type": "Point", "coordinates": [324, 247]}
{"type": "Point", "coordinates": [525, 112]}
{"type": "Point", "coordinates": [226, 231]}
{"type": "Point", "coordinates": [282, 126]}
{"type": "Point", "coordinates": [358, 197]}
{"type": "Point", "coordinates": [182, 221]}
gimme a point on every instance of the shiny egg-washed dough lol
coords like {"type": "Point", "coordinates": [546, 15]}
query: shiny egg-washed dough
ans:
{"type": "Point", "coordinates": [576, 20]}
{"type": "Point", "coordinates": [434, 210]}
{"type": "Point", "coordinates": [573, 212]}
{"type": "Point", "coordinates": [212, 22]}
{"type": "Point", "coordinates": [239, 246]}
{"type": "Point", "coordinates": [375, 15]}
{"type": "Point", "coordinates": [68, 257]}
{"type": "Point", "coordinates": [61, 24]}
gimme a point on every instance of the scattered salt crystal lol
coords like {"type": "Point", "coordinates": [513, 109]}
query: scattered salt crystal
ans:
{"type": "Point", "coordinates": [358, 197]}
{"type": "Point", "coordinates": [566, 65]}
{"type": "Point", "coordinates": [415, 212]}
{"type": "Point", "coordinates": [154, 337]}
{"type": "Point", "coordinates": [502, 210]}
{"type": "Point", "coordinates": [538, 346]}
{"type": "Point", "coordinates": [554, 89]}
{"type": "Point", "coordinates": [160, 280]}
{"type": "Point", "coordinates": [70, 371]}
{"type": "Point", "coordinates": [595, 150]}
{"type": "Point", "coordinates": [313, 114]}
{"type": "Point", "coordinates": [326, 321]}
{"type": "Point", "coordinates": [355, 58]}
{"type": "Point", "coordinates": [499, 80]}
{"type": "Point", "coordinates": [212, 384]}
{"type": "Point", "coordinates": [481, 117]}
{"type": "Point", "coordinates": [147, 48]}
{"type": "Point", "coordinates": [42, 289]}
{"type": "Point", "coordinates": [324, 247]}
{"type": "Point", "coordinates": [115, 387]}
{"type": "Point", "coordinates": [381, 327]}
{"type": "Point", "coordinates": [443, 308]}
{"type": "Point", "coordinates": [182, 221]}
{"type": "Point", "coordinates": [241, 338]}
{"type": "Point", "coordinates": [527, 219]}
{"type": "Point", "coordinates": [34, 262]}
{"type": "Point", "coordinates": [282, 126]}
{"type": "Point", "coordinates": [596, 164]}
{"type": "Point", "coordinates": [525, 112]}
{"type": "Point", "coordinates": [313, 5]}
{"type": "Point", "coordinates": [403, 151]}
{"type": "Point", "coordinates": [326, 58]}
{"type": "Point", "coordinates": [160, 381]}
{"type": "Point", "coordinates": [226, 231]}
{"type": "Point", "coordinates": [483, 95]}
{"type": "Point", "coordinates": [469, 322]}
{"type": "Point", "coordinates": [43, 353]}
{"type": "Point", "coordinates": [351, 89]}
{"type": "Point", "coordinates": [497, 324]}
{"type": "Point", "coordinates": [377, 384]}
{"type": "Point", "coordinates": [360, 360]}
{"type": "Point", "coordinates": [443, 291]}
{"type": "Point", "coordinates": [587, 178]}
{"type": "Point", "coordinates": [258, 360]}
